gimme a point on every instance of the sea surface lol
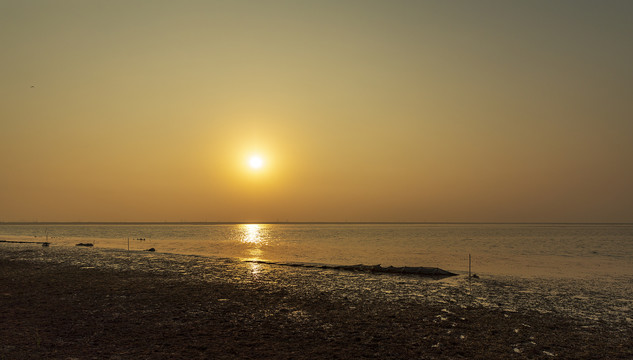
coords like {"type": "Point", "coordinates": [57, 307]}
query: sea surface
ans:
{"type": "Point", "coordinates": [583, 251]}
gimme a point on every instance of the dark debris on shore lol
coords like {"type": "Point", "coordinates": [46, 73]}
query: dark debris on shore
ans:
{"type": "Point", "coordinates": [401, 270]}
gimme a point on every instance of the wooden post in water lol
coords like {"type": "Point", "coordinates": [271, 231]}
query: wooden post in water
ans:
{"type": "Point", "coordinates": [128, 243]}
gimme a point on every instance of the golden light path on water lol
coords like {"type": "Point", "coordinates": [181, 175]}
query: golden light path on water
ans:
{"type": "Point", "coordinates": [252, 235]}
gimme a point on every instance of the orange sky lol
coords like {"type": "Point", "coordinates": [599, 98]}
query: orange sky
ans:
{"type": "Point", "coordinates": [362, 111]}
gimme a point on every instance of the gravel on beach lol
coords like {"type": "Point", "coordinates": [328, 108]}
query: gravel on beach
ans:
{"type": "Point", "coordinates": [90, 303]}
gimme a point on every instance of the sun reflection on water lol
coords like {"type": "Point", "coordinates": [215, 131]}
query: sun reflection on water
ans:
{"type": "Point", "coordinates": [253, 234]}
{"type": "Point", "coordinates": [256, 269]}
{"type": "Point", "coordinates": [253, 237]}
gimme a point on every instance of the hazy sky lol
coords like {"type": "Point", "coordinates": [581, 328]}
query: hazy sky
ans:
{"type": "Point", "coordinates": [363, 110]}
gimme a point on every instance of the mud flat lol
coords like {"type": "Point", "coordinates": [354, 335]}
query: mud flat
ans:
{"type": "Point", "coordinates": [91, 303]}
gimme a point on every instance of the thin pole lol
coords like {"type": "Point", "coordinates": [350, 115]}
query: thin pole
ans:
{"type": "Point", "coordinates": [469, 264]}
{"type": "Point", "coordinates": [128, 243]}
{"type": "Point", "coordinates": [470, 288]}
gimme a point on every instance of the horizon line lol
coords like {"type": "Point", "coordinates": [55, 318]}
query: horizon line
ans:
{"type": "Point", "coordinates": [309, 222]}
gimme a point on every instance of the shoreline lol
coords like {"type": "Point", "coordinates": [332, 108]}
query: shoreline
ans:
{"type": "Point", "coordinates": [570, 251]}
{"type": "Point", "coordinates": [70, 302]}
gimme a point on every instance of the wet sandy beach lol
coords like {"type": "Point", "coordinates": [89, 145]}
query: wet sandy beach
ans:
{"type": "Point", "coordinates": [85, 303]}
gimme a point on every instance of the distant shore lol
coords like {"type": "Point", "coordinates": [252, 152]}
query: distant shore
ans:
{"type": "Point", "coordinates": [65, 302]}
{"type": "Point", "coordinates": [303, 223]}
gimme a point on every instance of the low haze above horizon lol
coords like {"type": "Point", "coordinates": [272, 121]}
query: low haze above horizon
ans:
{"type": "Point", "coordinates": [310, 111]}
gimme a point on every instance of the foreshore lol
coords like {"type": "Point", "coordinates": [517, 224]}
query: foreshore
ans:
{"type": "Point", "coordinates": [89, 303]}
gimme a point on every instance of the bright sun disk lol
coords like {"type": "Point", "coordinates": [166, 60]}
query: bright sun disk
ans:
{"type": "Point", "coordinates": [256, 162]}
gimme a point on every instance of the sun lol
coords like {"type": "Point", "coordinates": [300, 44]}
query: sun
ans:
{"type": "Point", "coordinates": [256, 162]}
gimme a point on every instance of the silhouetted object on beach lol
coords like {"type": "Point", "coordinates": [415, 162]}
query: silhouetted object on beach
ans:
{"type": "Point", "coordinates": [45, 244]}
{"type": "Point", "coordinates": [151, 249]}
{"type": "Point", "coordinates": [85, 244]}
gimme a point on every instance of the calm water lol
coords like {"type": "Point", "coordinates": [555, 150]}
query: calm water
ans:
{"type": "Point", "coordinates": [524, 250]}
